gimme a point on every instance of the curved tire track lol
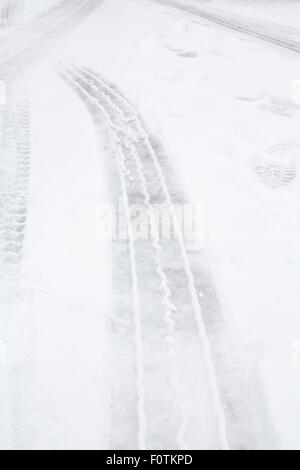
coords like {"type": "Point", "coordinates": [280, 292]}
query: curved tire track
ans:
{"type": "Point", "coordinates": [185, 373]}
{"type": "Point", "coordinates": [14, 184]}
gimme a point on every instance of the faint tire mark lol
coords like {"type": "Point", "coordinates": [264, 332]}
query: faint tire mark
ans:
{"type": "Point", "coordinates": [14, 181]}
{"type": "Point", "coordinates": [10, 11]}
{"type": "Point", "coordinates": [255, 30]}
{"type": "Point", "coordinates": [22, 47]}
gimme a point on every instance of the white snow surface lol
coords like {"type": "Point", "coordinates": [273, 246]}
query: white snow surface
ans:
{"type": "Point", "coordinates": [63, 305]}
{"type": "Point", "coordinates": [223, 105]}
{"type": "Point", "coordinates": [284, 12]}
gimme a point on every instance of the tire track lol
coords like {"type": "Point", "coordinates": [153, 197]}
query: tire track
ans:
{"type": "Point", "coordinates": [18, 48]}
{"type": "Point", "coordinates": [189, 380]}
{"type": "Point", "coordinates": [9, 12]}
{"type": "Point", "coordinates": [14, 185]}
{"type": "Point", "coordinates": [22, 47]}
{"type": "Point", "coordinates": [168, 306]}
{"type": "Point", "coordinates": [253, 29]}
{"type": "Point", "coordinates": [146, 338]}
{"type": "Point", "coordinates": [15, 156]}
{"type": "Point", "coordinates": [14, 180]}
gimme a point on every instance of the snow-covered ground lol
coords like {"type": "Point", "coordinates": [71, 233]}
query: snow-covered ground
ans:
{"type": "Point", "coordinates": [225, 108]}
{"type": "Point", "coordinates": [282, 12]}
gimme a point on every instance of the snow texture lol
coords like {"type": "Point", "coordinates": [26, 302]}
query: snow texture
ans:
{"type": "Point", "coordinates": [153, 342]}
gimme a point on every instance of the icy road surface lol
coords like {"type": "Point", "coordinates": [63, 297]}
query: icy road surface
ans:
{"type": "Point", "coordinates": [151, 342]}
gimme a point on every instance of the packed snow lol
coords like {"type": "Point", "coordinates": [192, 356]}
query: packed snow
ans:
{"type": "Point", "coordinates": [110, 343]}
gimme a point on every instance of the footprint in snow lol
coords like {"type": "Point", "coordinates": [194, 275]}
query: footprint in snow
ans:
{"type": "Point", "coordinates": [277, 166]}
